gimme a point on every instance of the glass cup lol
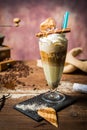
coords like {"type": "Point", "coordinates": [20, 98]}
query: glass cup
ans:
{"type": "Point", "coordinates": [53, 48]}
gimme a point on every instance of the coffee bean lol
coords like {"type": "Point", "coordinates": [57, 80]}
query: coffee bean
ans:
{"type": "Point", "coordinates": [11, 76]}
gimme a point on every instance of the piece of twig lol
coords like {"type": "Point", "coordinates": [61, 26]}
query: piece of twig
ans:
{"type": "Point", "coordinates": [2, 100]}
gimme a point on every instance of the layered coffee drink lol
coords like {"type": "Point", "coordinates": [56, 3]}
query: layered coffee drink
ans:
{"type": "Point", "coordinates": [53, 50]}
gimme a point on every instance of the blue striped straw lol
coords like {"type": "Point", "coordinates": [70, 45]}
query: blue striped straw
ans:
{"type": "Point", "coordinates": [65, 20]}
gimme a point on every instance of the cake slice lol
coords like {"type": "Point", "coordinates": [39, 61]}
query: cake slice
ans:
{"type": "Point", "coordinates": [49, 114]}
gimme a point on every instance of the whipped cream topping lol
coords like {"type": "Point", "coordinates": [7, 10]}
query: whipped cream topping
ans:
{"type": "Point", "coordinates": [52, 38]}
{"type": "Point", "coordinates": [52, 42]}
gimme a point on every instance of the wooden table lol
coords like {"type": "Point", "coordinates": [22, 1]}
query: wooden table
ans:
{"type": "Point", "coordinates": [73, 117]}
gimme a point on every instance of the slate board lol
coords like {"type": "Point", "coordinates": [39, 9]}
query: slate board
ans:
{"type": "Point", "coordinates": [39, 101]}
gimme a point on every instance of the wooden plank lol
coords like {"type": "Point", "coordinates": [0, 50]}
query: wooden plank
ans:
{"type": "Point", "coordinates": [12, 119]}
{"type": "Point", "coordinates": [74, 117]}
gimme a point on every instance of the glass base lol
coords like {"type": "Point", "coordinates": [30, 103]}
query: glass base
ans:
{"type": "Point", "coordinates": [53, 97]}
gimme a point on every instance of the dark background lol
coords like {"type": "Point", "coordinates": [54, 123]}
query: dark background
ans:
{"type": "Point", "coordinates": [22, 40]}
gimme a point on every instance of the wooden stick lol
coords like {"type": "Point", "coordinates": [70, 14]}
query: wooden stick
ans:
{"type": "Point", "coordinates": [45, 33]}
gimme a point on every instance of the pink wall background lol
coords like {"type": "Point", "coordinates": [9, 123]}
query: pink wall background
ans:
{"type": "Point", "coordinates": [22, 40]}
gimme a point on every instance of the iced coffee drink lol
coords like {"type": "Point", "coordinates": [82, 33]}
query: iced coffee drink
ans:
{"type": "Point", "coordinates": [53, 48]}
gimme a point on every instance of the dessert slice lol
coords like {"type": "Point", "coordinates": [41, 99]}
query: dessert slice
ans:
{"type": "Point", "coordinates": [49, 114]}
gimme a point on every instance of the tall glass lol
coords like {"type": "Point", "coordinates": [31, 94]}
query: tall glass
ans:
{"type": "Point", "coordinates": [53, 48]}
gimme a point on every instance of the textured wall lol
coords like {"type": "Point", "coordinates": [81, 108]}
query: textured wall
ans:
{"type": "Point", "coordinates": [22, 40]}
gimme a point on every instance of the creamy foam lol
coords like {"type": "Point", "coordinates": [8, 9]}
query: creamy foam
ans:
{"type": "Point", "coordinates": [52, 42]}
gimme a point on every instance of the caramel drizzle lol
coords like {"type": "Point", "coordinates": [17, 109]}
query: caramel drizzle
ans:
{"type": "Point", "coordinates": [41, 34]}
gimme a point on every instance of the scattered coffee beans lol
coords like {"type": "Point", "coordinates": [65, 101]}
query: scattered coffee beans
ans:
{"type": "Point", "coordinates": [11, 76]}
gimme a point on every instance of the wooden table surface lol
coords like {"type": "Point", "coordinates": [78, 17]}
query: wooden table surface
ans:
{"type": "Point", "coordinates": [73, 117]}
